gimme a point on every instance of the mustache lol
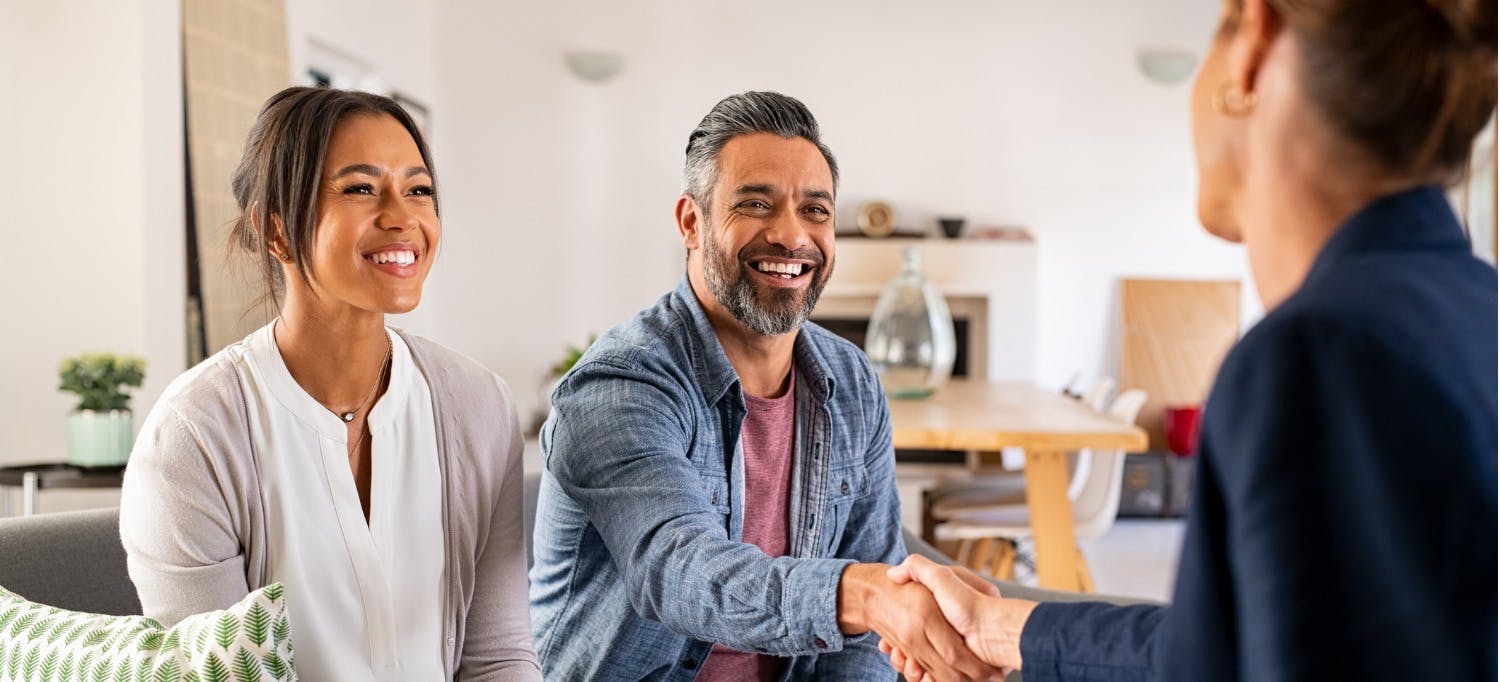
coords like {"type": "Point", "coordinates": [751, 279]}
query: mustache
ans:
{"type": "Point", "coordinates": [808, 254]}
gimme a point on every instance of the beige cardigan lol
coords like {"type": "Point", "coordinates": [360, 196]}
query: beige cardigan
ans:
{"type": "Point", "coordinates": [193, 525]}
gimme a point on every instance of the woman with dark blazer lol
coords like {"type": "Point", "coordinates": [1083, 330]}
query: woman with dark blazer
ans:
{"type": "Point", "coordinates": [1344, 519]}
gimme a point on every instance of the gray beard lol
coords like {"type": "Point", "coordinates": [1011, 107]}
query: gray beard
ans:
{"type": "Point", "coordinates": [732, 288]}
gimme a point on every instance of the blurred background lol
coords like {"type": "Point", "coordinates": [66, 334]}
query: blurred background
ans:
{"type": "Point", "coordinates": [1058, 130]}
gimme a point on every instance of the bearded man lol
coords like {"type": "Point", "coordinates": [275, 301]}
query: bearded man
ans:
{"type": "Point", "coordinates": [719, 491]}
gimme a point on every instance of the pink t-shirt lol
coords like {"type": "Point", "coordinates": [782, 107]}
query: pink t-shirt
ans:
{"type": "Point", "coordinates": [766, 441]}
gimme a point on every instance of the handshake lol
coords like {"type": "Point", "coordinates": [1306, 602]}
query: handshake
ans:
{"type": "Point", "coordinates": [936, 622]}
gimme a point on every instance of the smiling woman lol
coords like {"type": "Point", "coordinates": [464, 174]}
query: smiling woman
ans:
{"type": "Point", "coordinates": [323, 450]}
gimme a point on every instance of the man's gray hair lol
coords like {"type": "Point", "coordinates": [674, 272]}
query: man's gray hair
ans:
{"type": "Point", "coordinates": [744, 114]}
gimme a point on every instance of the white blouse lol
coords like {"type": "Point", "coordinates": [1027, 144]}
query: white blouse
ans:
{"type": "Point", "coordinates": [364, 600]}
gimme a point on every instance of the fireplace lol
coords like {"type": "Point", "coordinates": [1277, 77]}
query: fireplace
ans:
{"type": "Point", "coordinates": [855, 328]}
{"type": "Point", "coordinates": [990, 290]}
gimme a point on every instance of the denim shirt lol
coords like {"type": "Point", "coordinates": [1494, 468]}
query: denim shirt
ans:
{"type": "Point", "coordinates": [640, 567]}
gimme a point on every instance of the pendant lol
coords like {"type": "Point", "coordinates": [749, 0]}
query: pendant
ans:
{"type": "Point", "coordinates": [348, 417]}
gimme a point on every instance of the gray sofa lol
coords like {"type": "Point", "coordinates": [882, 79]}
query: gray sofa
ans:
{"type": "Point", "coordinates": [74, 561]}
{"type": "Point", "coordinates": [71, 560]}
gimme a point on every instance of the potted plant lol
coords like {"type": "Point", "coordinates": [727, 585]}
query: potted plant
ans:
{"type": "Point", "coordinates": [555, 373]}
{"type": "Point", "coordinates": [101, 429]}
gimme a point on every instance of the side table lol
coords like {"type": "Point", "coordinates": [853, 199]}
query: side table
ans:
{"type": "Point", "coordinates": [34, 478]}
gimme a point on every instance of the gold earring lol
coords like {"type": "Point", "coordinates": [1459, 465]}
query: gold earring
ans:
{"type": "Point", "coordinates": [284, 255]}
{"type": "Point", "coordinates": [1231, 102]}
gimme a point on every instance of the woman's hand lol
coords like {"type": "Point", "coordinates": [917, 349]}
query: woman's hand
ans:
{"type": "Point", "coordinates": [990, 625]}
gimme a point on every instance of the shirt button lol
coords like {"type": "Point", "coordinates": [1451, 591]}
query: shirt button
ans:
{"type": "Point", "coordinates": [844, 489]}
{"type": "Point", "coordinates": [689, 663]}
{"type": "Point", "coordinates": [451, 641]}
{"type": "Point", "coordinates": [716, 498]}
{"type": "Point", "coordinates": [818, 642]}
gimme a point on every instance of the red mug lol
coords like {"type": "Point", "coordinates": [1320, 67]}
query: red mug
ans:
{"type": "Point", "coordinates": [1181, 425]}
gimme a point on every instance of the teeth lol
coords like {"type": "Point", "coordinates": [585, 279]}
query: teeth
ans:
{"type": "Point", "coordinates": [397, 257]}
{"type": "Point", "coordinates": [787, 270]}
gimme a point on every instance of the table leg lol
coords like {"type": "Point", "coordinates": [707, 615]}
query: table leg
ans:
{"type": "Point", "coordinates": [4, 501]}
{"type": "Point", "coordinates": [1057, 553]}
{"type": "Point", "coordinates": [28, 493]}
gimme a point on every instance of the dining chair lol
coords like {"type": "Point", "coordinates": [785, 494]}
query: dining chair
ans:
{"type": "Point", "coordinates": [1098, 395]}
{"type": "Point", "coordinates": [987, 535]}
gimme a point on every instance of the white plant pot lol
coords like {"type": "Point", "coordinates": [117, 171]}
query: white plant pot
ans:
{"type": "Point", "coordinates": [99, 439]}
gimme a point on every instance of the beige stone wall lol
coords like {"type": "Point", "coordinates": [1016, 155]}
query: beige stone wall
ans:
{"type": "Point", "coordinates": [234, 57]}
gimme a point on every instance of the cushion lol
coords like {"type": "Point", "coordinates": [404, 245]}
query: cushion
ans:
{"type": "Point", "coordinates": [247, 642]}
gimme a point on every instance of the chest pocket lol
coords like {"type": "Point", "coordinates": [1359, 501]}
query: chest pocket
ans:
{"type": "Point", "coordinates": [846, 485]}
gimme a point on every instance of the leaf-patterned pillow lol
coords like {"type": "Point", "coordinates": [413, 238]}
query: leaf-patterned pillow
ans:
{"type": "Point", "coordinates": [248, 642]}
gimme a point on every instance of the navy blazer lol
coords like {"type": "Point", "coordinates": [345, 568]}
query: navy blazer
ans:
{"type": "Point", "coordinates": [1344, 522]}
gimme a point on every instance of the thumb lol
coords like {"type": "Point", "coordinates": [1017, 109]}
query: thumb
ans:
{"type": "Point", "coordinates": [906, 571]}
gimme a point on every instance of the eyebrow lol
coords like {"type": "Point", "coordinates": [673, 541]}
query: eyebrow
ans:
{"type": "Point", "coordinates": [368, 169]}
{"type": "Point", "coordinates": [768, 189]}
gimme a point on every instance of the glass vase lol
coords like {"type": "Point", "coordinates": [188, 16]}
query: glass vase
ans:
{"type": "Point", "coordinates": [910, 339]}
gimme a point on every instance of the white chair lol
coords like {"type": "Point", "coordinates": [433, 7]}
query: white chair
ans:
{"type": "Point", "coordinates": [1098, 395]}
{"type": "Point", "coordinates": [987, 535]}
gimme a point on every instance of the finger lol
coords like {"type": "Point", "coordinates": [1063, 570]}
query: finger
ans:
{"type": "Point", "coordinates": [885, 647]}
{"type": "Point", "coordinates": [913, 672]}
{"type": "Point", "coordinates": [899, 573]}
{"type": "Point", "coordinates": [896, 666]}
{"type": "Point", "coordinates": [933, 654]}
{"type": "Point", "coordinates": [952, 590]}
{"type": "Point", "coordinates": [977, 582]}
{"type": "Point", "coordinates": [957, 656]}
{"type": "Point", "coordinates": [923, 569]}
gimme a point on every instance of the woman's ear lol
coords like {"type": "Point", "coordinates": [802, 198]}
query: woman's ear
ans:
{"type": "Point", "coordinates": [1259, 25]}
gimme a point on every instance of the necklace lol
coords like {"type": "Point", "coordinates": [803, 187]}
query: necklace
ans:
{"type": "Point", "coordinates": [359, 441]}
{"type": "Point", "coordinates": [384, 365]}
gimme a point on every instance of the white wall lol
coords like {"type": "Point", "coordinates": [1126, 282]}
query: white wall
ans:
{"type": "Point", "coordinates": [91, 204]}
{"type": "Point", "coordinates": [392, 40]}
{"type": "Point", "coordinates": [559, 192]}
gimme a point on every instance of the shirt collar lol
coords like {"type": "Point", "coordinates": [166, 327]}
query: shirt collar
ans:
{"type": "Point", "coordinates": [284, 387]}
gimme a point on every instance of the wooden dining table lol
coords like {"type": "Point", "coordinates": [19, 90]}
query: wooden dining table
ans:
{"type": "Point", "coordinates": [986, 417]}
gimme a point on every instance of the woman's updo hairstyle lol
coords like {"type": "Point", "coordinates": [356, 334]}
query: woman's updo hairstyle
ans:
{"type": "Point", "coordinates": [1411, 82]}
{"type": "Point", "coordinates": [282, 167]}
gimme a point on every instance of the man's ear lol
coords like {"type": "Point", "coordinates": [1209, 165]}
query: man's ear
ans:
{"type": "Point", "coordinates": [690, 222]}
{"type": "Point", "coordinates": [1259, 26]}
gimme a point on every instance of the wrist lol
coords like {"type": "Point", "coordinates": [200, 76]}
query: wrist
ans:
{"type": "Point", "coordinates": [999, 632]}
{"type": "Point", "coordinates": [856, 586]}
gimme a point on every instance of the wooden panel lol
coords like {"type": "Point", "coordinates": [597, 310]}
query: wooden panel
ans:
{"type": "Point", "coordinates": [234, 57]}
{"type": "Point", "coordinates": [1173, 336]}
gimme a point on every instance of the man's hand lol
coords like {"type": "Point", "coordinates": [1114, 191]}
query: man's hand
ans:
{"type": "Point", "coordinates": [990, 625]}
{"type": "Point", "coordinates": [908, 618]}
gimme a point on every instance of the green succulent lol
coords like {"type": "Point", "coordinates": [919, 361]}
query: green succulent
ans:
{"type": "Point", "coordinates": [101, 379]}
